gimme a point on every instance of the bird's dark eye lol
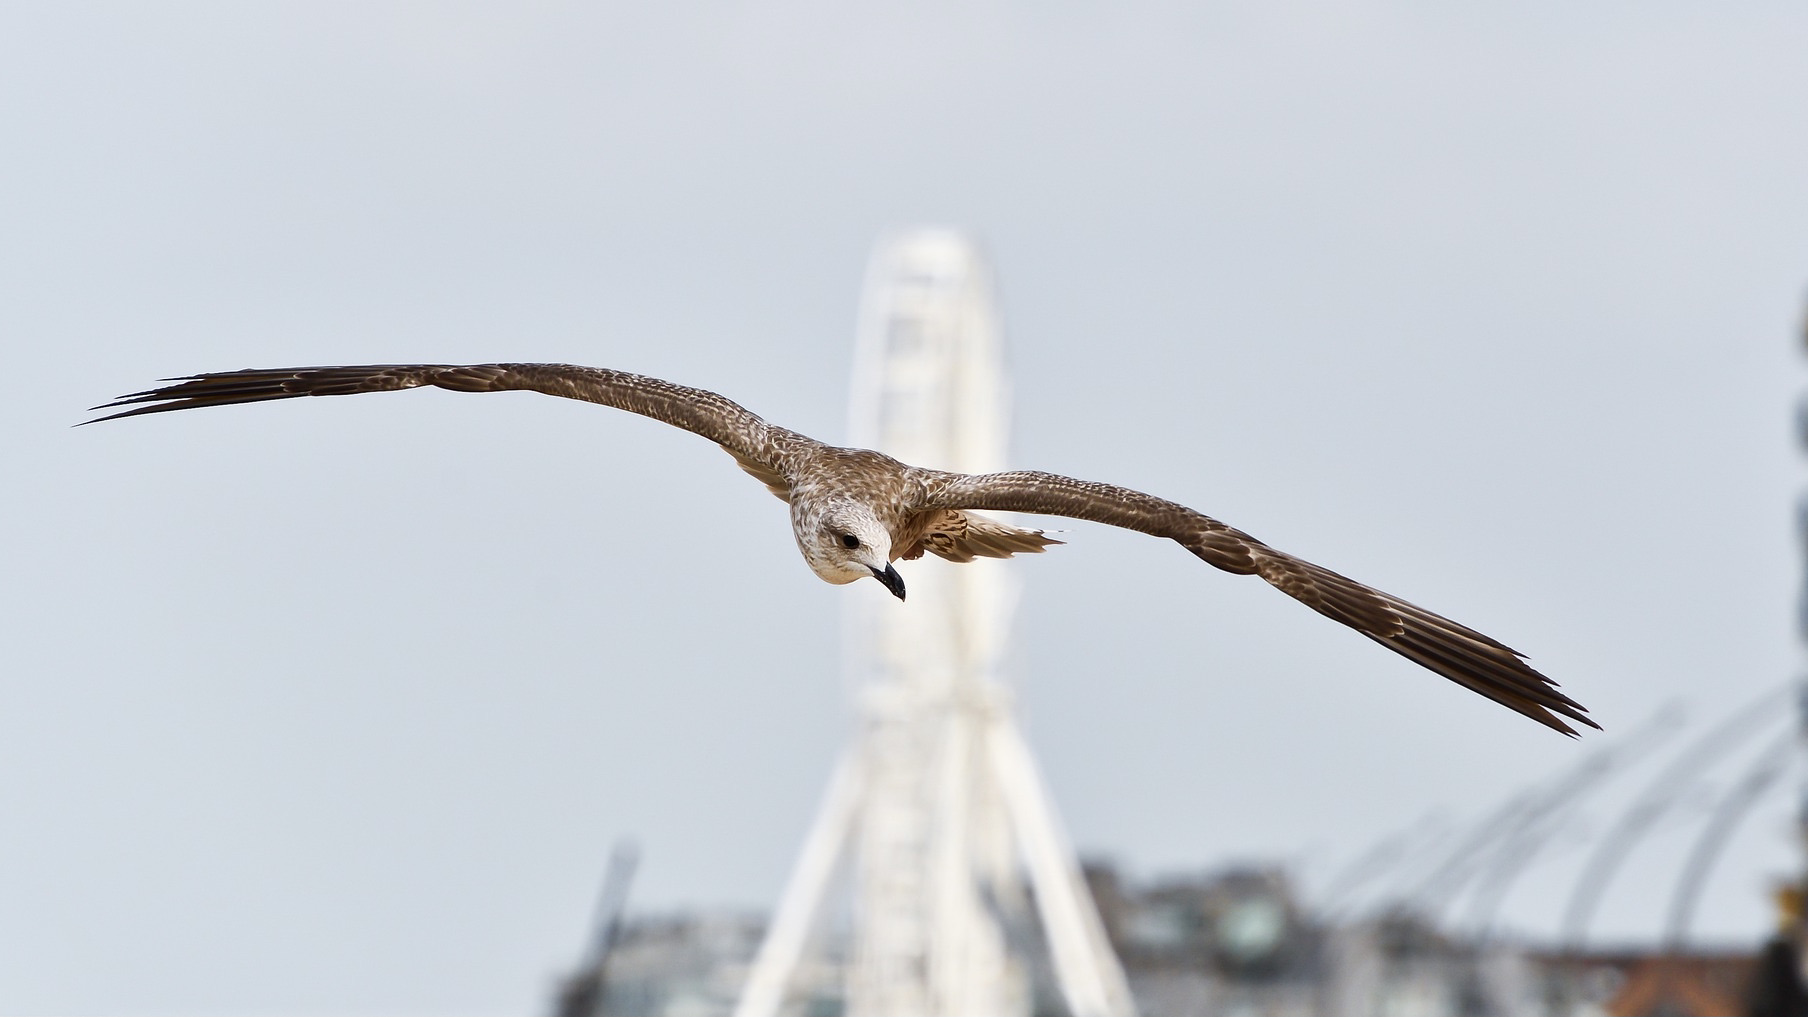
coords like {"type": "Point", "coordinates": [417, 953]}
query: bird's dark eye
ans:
{"type": "Point", "coordinates": [849, 541]}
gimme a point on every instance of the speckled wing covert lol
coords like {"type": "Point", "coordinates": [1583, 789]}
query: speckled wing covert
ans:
{"type": "Point", "coordinates": [961, 537]}
{"type": "Point", "coordinates": [749, 439]}
{"type": "Point", "coordinates": [1455, 651]}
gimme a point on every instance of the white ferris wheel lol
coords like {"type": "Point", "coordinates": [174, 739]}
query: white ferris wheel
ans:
{"type": "Point", "coordinates": [937, 811]}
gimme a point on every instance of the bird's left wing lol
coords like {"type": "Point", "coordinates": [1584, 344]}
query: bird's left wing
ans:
{"type": "Point", "coordinates": [751, 440]}
{"type": "Point", "coordinates": [1455, 651]}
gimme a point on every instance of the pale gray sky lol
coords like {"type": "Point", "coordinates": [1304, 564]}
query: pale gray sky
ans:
{"type": "Point", "coordinates": [336, 707]}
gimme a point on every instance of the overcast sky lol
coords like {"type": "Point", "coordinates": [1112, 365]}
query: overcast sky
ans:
{"type": "Point", "coordinates": [338, 706]}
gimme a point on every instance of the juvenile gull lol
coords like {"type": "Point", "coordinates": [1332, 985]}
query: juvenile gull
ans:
{"type": "Point", "coordinates": [855, 511]}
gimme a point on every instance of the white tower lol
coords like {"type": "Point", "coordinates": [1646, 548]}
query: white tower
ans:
{"type": "Point", "coordinates": [938, 808]}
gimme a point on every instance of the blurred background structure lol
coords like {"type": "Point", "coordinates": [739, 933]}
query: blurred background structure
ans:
{"type": "Point", "coordinates": [939, 808]}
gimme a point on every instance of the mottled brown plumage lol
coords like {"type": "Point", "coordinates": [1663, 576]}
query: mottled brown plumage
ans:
{"type": "Point", "coordinates": [854, 511]}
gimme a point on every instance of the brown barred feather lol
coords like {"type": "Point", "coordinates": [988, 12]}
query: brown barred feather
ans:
{"type": "Point", "coordinates": [1455, 651]}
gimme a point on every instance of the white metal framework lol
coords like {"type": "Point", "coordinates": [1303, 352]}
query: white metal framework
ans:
{"type": "Point", "coordinates": [937, 810]}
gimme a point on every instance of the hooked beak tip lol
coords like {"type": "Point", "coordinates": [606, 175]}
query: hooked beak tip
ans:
{"type": "Point", "coordinates": [891, 580]}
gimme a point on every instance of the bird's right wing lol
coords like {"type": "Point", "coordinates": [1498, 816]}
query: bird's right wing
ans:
{"type": "Point", "coordinates": [1455, 651]}
{"type": "Point", "coordinates": [753, 442]}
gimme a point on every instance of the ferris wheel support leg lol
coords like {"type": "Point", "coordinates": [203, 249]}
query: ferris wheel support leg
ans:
{"type": "Point", "coordinates": [1088, 971]}
{"type": "Point", "coordinates": [786, 937]}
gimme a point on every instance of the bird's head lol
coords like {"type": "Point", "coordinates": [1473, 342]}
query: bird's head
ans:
{"type": "Point", "coordinates": [847, 543]}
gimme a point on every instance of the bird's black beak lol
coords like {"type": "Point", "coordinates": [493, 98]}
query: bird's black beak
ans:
{"type": "Point", "coordinates": [891, 579]}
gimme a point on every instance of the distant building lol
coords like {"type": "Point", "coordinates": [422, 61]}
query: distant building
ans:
{"type": "Point", "coordinates": [690, 965]}
{"type": "Point", "coordinates": [1233, 943]}
{"type": "Point", "coordinates": [1631, 983]}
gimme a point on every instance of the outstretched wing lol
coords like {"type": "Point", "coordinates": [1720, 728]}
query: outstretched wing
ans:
{"type": "Point", "coordinates": [1455, 651]}
{"type": "Point", "coordinates": [749, 439]}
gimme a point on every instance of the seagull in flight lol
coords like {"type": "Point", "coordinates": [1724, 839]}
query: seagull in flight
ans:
{"type": "Point", "coordinates": [855, 511]}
